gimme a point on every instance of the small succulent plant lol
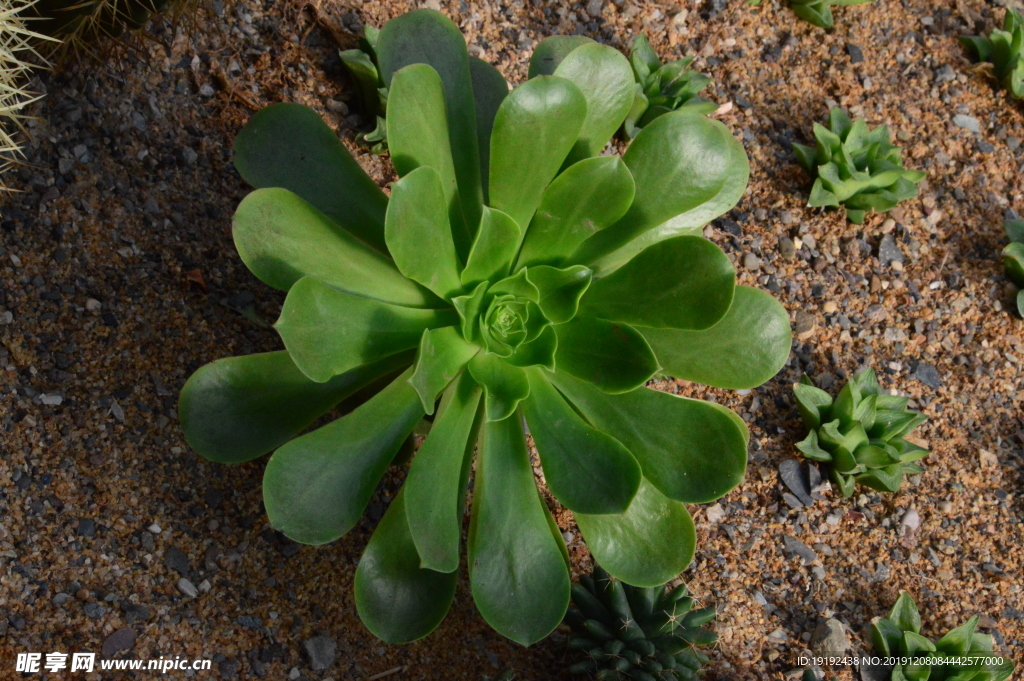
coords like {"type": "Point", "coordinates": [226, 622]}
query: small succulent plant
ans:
{"type": "Point", "coordinates": [948, 659]}
{"type": "Point", "coordinates": [371, 91]}
{"type": "Point", "coordinates": [1004, 49]}
{"type": "Point", "coordinates": [16, 53]}
{"type": "Point", "coordinates": [1013, 259]}
{"type": "Point", "coordinates": [662, 88]}
{"type": "Point", "coordinates": [513, 275]}
{"type": "Point", "coordinates": [819, 12]}
{"type": "Point", "coordinates": [860, 435]}
{"type": "Point", "coordinates": [628, 632]}
{"type": "Point", "coordinates": [856, 168]}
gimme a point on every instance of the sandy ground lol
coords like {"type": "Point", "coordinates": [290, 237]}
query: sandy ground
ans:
{"type": "Point", "coordinates": [119, 279]}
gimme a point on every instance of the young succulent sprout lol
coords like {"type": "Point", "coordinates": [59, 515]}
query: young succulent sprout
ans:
{"type": "Point", "coordinates": [629, 632]}
{"type": "Point", "coordinates": [856, 167]}
{"type": "Point", "coordinates": [1004, 49]}
{"type": "Point", "coordinates": [819, 12]}
{"type": "Point", "coordinates": [513, 275]}
{"type": "Point", "coordinates": [661, 88]}
{"type": "Point", "coordinates": [371, 92]}
{"type": "Point", "coordinates": [861, 434]}
{"type": "Point", "coordinates": [963, 654]}
{"type": "Point", "coordinates": [1013, 259]}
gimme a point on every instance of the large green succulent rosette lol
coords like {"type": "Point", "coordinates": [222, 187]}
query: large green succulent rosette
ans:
{"type": "Point", "coordinates": [514, 281]}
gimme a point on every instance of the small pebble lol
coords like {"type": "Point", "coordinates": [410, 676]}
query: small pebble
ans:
{"type": "Point", "coordinates": [188, 588]}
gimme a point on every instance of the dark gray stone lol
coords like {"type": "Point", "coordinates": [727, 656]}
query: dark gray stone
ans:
{"type": "Point", "coordinates": [249, 622]}
{"type": "Point", "coordinates": [134, 613]}
{"type": "Point", "coordinates": [797, 547]}
{"type": "Point", "coordinates": [94, 610]}
{"type": "Point", "coordinates": [175, 559]}
{"type": "Point", "coordinates": [928, 375]}
{"type": "Point", "coordinates": [856, 54]}
{"type": "Point", "coordinates": [321, 650]}
{"type": "Point", "coordinates": [794, 477]}
{"type": "Point", "coordinates": [889, 252]}
{"type": "Point", "coordinates": [122, 639]}
{"type": "Point", "coordinates": [829, 638]}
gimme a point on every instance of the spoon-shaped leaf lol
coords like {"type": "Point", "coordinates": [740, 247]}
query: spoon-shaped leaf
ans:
{"type": "Point", "coordinates": [282, 238]}
{"type": "Point", "coordinates": [612, 356]}
{"type": "Point", "coordinates": [587, 197]}
{"type": "Point", "coordinates": [428, 37]}
{"type": "Point", "coordinates": [605, 78]}
{"type": "Point", "coordinates": [506, 385]}
{"type": "Point", "coordinates": [692, 451]}
{"type": "Point", "coordinates": [434, 488]}
{"type": "Point", "coordinates": [552, 50]}
{"type": "Point", "coordinates": [419, 235]}
{"type": "Point", "coordinates": [688, 170]}
{"type": "Point", "coordinates": [396, 599]}
{"type": "Point", "coordinates": [587, 470]}
{"type": "Point", "coordinates": [494, 248]}
{"type": "Point", "coordinates": [289, 146]}
{"type": "Point", "coordinates": [489, 90]}
{"type": "Point", "coordinates": [560, 290]}
{"type": "Point", "coordinates": [317, 486]}
{"type": "Point", "coordinates": [519, 579]}
{"type": "Point", "coordinates": [685, 282]}
{"type": "Point", "coordinates": [418, 136]}
{"type": "Point", "coordinates": [442, 355]}
{"type": "Point", "coordinates": [648, 545]}
{"type": "Point", "coordinates": [534, 129]}
{"type": "Point", "coordinates": [239, 408]}
{"type": "Point", "coordinates": [328, 332]}
{"type": "Point", "coordinates": [745, 349]}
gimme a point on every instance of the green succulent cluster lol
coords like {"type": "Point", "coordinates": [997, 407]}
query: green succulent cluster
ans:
{"type": "Point", "coordinates": [899, 636]}
{"type": "Point", "coordinates": [1005, 51]}
{"type": "Point", "coordinates": [661, 88]}
{"type": "Point", "coordinates": [1013, 259]}
{"type": "Point", "coordinates": [861, 434]}
{"type": "Point", "coordinates": [819, 12]}
{"type": "Point", "coordinates": [644, 634]}
{"type": "Point", "coordinates": [371, 91]}
{"type": "Point", "coordinates": [513, 277]}
{"type": "Point", "coordinates": [856, 168]}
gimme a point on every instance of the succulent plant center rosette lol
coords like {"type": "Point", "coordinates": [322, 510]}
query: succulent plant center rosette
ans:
{"type": "Point", "coordinates": [513, 278]}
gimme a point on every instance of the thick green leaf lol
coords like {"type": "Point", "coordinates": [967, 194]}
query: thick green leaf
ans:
{"type": "Point", "coordinates": [239, 408]}
{"type": "Point", "coordinates": [612, 356]}
{"type": "Point", "coordinates": [397, 600]}
{"type": "Point", "coordinates": [743, 350]}
{"type": "Point", "coordinates": [905, 615]}
{"type": "Point", "coordinates": [958, 641]}
{"type": "Point", "coordinates": [685, 282]}
{"type": "Point", "coordinates": [419, 235]}
{"type": "Point", "coordinates": [434, 491]}
{"type": "Point", "coordinates": [328, 332]}
{"type": "Point", "coordinates": [587, 470]}
{"type": "Point", "coordinates": [605, 78]}
{"type": "Point", "coordinates": [519, 579]}
{"type": "Point", "coordinates": [1013, 261]}
{"type": "Point", "coordinates": [648, 545]}
{"type": "Point", "coordinates": [442, 355]}
{"type": "Point", "coordinates": [494, 248]}
{"type": "Point", "coordinates": [469, 308]}
{"type": "Point", "coordinates": [505, 385]}
{"type": "Point", "coordinates": [688, 170]}
{"type": "Point", "coordinates": [316, 487]}
{"type": "Point", "coordinates": [885, 636]}
{"type": "Point", "coordinates": [427, 37]}
{"type": "Point", "coordinates": [534, 129]}
{"type": "Point", "coordinates": [551, 51]}
{"type": "Point", "coordinates": [560, 290]}
{"type": "Point", "coordinates": [281, 238]}
{"type": "Point", "coordinates": [364, 75]}
{"type": "Point", "coordinates": [418, 136]}
{"type": "Point", "coordinates": [289, 146]}
{"type": "Point", "coordinates": [538, 352]}
{"type": "Point", "coordinates": [489, 90]}
{"type": "Point", "coordinates": [587, 197]}
{"type": "Point", "coordinates": [691, 450]}
{"type": "Point", "coordinates": [1014, 230]}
